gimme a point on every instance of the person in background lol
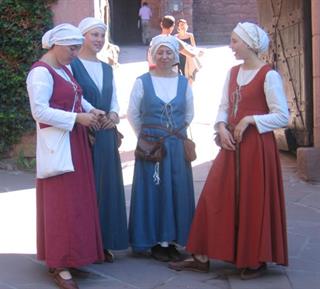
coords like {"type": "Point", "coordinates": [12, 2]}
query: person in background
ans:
{"type": "Point", "coordinates": [97, 81]}
{"type": "Point", "coordinates": [162, 200]}
{"type": "Point", "coordinates": [242, 220]}
{"type": "Point", "coordinates": [188, 66]}
{"type": "Point", "coordinates": [145, 15]}
{"type": "Point", "coordinates": [167, 25]}
{"type": "Point", "coordinates": [68, 231]}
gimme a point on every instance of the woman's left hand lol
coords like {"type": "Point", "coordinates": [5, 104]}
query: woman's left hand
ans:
{"type": "Point", "coordinates": [106, 123]}
{"type": "Point", "coordinates": [114, 117]}
{"type": "Point", "coordinates": [241, 127]}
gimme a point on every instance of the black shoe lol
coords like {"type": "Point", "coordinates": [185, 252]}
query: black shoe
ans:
{"type": "Point", "coordinates": [248, 273]}
{"type": "Point", "coordinates": [160, 253]}
{"type": "Point", "coordinates": [173, 253]}
{"type": "Point", "coordinates": [108, 256]}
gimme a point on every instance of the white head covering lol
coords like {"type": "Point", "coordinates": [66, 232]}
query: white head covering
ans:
{"type": "Point", "coordinates": [63, 34]}
{"type": "Point", "coordinates": [165, 40]}
{"type": "Point", "coordinates": [253, 35]}
{"type": "Point", "coordinates": [89, 23]}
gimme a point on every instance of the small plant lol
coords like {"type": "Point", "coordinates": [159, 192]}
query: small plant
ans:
{"type": "Point", "coordinates": [25, 163]}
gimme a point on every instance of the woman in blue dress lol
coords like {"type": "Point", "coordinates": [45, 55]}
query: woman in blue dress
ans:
{"type": "Point", "coordinates": [162, 200]}
{"type": "Point", "coordinates": [96, 80]}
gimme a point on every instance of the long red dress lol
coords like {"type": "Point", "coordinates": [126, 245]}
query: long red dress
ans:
{"type": "Point", "coordinates": [68, 230]}
{"type": "Point", "coordinates": [261, 234]}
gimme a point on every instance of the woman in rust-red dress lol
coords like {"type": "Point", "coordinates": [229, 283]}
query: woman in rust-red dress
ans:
{"type": "Point", "coordinates": [240, 216]}
{"type": "Point", "coordinates": [68, 230]}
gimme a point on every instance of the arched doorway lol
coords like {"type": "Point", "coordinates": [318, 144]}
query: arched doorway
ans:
{"type": "Point", "coordinates": [124, 21]}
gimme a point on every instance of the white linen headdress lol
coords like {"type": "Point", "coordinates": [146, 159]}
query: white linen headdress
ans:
{"type": "Point", "coordinates": [166, 40]}
{"type": "Point", "coordinates": [253, 35]}
{"type": "Point", "coordinates": [63, 34]}
{"type": "Point", "coordinates": [89, 23]}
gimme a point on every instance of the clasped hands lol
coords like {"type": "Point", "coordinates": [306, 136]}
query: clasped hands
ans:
{"type": "Point", "coordinates": [98, 119]}
{"type": "Point", "coordinates": [228, 139]}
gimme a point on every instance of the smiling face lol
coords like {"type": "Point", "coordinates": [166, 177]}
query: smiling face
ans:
{"type": "Point", "coordinates": [164, 57]}
{"type": "Point", "coordinates": [94, 40]}
{"type": "Point", "coordinates": [240, 49]}
{"type": "Point", "coordinates": [182, 26]}
{"type": "Point", "coordinates": [66, 53]}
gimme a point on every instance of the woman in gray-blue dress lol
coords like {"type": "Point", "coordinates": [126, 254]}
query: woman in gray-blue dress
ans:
{"type": "Point", "coordinates": [96, 79]}
{"type": "Point", "coordinates": [162, 200]}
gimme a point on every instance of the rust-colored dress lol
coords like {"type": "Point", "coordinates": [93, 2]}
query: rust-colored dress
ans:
{"type": "Point", "coordinates": [68, 229]}
{"type": "Point", "coordinates": [254, 232]}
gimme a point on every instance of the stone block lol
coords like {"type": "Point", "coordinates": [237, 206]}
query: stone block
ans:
{"type": "Point", "coordinates": [308, 163]}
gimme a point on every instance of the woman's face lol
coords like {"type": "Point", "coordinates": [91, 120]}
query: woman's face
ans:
{"type": "Point", "coordinates": [164, 57]}
{"type": "Point", "coordinates": [182, 26]}
{"type": "Point", "coordinates": [240, 49]}
{"type": "Point", "coordinates": [66, 53]}
{"type": "Point", "coordinates": [94, 39]}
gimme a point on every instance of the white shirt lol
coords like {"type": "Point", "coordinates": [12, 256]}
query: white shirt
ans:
{"type": "Point", "coordinates": [166, 89]}
{"type": "Point", "coordinates": [145, 13]}
{"type": "Point", "coordinates": [40, 88]}
{"type": "Point", "coordinates": [95, 71]}
{"type": "Point", "coordinates": [278, 115]}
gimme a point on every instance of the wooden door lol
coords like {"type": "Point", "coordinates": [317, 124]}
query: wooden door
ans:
{"type": "Point", "coordinates": [288, 23]}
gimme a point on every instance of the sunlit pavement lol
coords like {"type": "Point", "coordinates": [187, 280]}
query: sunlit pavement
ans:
{"type": "Point", "coordinates": [19, 269]}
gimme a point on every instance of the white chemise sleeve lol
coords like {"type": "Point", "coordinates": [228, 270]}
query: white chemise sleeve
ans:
{"type": "Point", "coordinates": [114, 106]}
{"type": "Point", "coordinates": [40, 88]}
{"type": "Point", "coordinates": [278, 115]}
{"type": "Point", "coordinates": [189, 105]}
{"type": "Point", "coordinates": [133, 113]}
{"type": "Point", "coordinates": [222, 115]}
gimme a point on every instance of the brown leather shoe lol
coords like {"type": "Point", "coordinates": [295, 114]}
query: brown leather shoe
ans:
{"type": "Point", "coordinates": [248, 273]}
{"type": "Point", "coordinates": [62, 282]}
{"type": "Point", "coordinates": [108, 256]}
{"type": "Point", "coordinates": [190, 265]}
{"type": "Point", "coordinates": [76, 272]}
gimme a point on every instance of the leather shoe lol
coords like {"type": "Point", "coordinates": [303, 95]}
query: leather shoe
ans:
{"type": "Point", "coordinates": [190, 265]}
{"type": "Point", "coordinates": [108, 256]}
{"type": "Point", "coordinates": [63, 283]}
{"type": "Point", "coordinates": [248, 273]}
{"type": "Point", "coordinates": [173, 253]}
{"type": "Point", "coordinates": [160, 253]}
{"type": "Point", "coordinates": [76, 272]}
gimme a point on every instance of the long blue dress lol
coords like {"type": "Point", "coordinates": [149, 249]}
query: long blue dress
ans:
{"type": "Point", "coordinates": [162, 209]}
{"type": "Point", "coordinates": [106, 160]}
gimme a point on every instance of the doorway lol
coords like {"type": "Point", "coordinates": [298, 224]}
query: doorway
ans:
{"type": "Point", "coordinates": [124, 21]}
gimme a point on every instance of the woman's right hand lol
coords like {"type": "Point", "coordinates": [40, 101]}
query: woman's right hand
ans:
{"type": "Point", "coordinates": [226, 138]}
{"type": "Point", "coordinates": [88, 119]}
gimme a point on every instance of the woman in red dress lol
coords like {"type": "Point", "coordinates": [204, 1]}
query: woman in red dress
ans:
{"type": "Point", "coordinates": [68, 230]}
{"type": "Point", "coordinates": [240, 216]}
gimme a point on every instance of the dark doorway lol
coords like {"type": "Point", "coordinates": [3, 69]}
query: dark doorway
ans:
{"type": "Point", "coordinates": [124, 21]}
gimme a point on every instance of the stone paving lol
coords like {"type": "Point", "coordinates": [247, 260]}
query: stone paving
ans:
{"type": "Point", "coordinates": [19, 268]}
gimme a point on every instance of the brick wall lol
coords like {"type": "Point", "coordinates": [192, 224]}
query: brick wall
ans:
{"type": "Point", "coordinates": [213, 20]}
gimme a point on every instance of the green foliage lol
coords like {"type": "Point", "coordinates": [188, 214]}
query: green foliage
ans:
{"type": "Point", "coordinates": [22, 24]}
{"type": "Point", "coordinates": [24, 163]}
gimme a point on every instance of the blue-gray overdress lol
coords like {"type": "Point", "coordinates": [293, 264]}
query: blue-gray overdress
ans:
{"type": "Point", "coordinates": [106, 160]}
{"type": "Point", "coordinates": [164, 211]}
